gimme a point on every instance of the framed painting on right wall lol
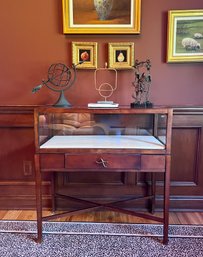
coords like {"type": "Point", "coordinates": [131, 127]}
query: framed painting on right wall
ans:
{"type": "Point", "coordinates": [185, 36]}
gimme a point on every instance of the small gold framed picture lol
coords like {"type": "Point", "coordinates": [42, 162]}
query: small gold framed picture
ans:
{"type": "Point", "coordinates": [84, 53]}
{"type": "Point", "coordinates": [121, 55]}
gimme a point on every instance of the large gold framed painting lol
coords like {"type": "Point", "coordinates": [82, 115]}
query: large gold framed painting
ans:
{"type": "Point", "coordinates": [185, 36]}
{"type": "Point", "coordinates": [101, 16]}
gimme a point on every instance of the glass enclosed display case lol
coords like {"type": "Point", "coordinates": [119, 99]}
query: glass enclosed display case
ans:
{"type": "Point", "coordinates": [103, 140]}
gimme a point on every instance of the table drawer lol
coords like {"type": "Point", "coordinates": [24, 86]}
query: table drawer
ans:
{"type": "Point", "coordinates": [153, 162]}
{"type": "Point", "coordinates": [52, 161]}
{"type": "Point", "coordinates": [102, 161]}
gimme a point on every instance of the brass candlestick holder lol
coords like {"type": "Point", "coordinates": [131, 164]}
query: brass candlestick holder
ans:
{"type": "Point", "coordinates": [105, 89]}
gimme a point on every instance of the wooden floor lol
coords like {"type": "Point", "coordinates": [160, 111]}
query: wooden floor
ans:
{"type": "Point", "coordinates": [105, 216]}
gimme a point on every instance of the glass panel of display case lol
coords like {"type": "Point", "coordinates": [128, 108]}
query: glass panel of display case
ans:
{"type": "Point", "coordinates": [102, 130]}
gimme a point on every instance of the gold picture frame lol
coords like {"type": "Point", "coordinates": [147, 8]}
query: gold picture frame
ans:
{"type": "Point", "coordinates": [82, 17]}
{"type": "Point", "coordinates": [185, 36]}
{"type": "Point", "coordinates": [121, 55]}
{"type": "Point", "coordinates": [85, 52]}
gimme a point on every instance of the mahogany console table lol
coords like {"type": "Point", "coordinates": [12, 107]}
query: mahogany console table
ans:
{"type": "Point", "coordinates": [103, 140]}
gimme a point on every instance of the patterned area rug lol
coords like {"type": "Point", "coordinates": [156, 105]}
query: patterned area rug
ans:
{"type": "Point", "coordinates": [61, 239]}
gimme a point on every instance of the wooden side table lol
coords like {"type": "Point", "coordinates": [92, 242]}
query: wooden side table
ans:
{"type": "Point", "coordinates": [132, 140]}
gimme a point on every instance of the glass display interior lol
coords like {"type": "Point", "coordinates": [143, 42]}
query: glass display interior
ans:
{"type": "Point", "coordinates": [88, 130]}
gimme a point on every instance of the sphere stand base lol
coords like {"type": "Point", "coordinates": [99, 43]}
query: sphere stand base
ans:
{"type": "Point", "coordinates": [62, 101]}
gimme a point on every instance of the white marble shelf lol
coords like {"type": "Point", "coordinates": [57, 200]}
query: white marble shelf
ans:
{"type": "Point", "coordinates": [103, 141]}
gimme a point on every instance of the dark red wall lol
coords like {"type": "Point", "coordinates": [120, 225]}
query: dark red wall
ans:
{"type": "Point", "coordinates": [32, 39]}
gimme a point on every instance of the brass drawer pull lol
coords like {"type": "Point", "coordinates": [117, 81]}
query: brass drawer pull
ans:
{"type": "Point", "coordinates": [103, 162]}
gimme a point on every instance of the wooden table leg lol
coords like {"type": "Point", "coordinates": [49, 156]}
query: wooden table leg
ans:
{"type": "Point", "coordinates": [153, 191]}
{"type": "Point", "coordinates": [166, 199]}
{"type": "Point", "coordinates": [53, 195]}
{"type": "Point", "coordinates": [38, 181]}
